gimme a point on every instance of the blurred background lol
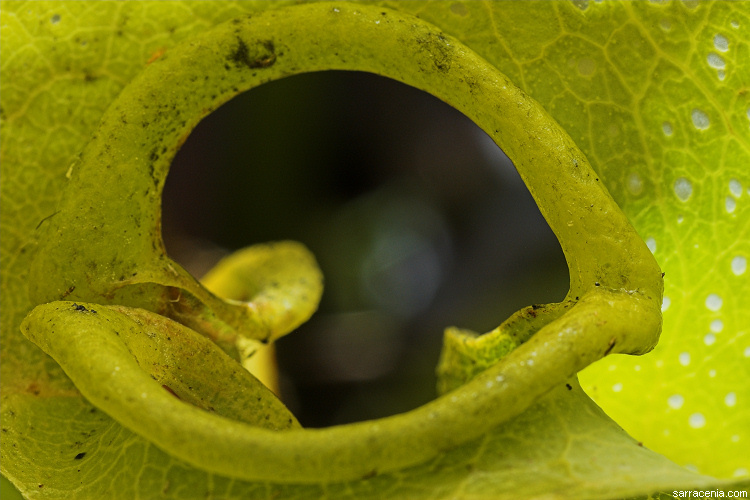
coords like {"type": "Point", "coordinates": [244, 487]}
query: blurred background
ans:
{"type": "Point", "coordinates": [417, 219]}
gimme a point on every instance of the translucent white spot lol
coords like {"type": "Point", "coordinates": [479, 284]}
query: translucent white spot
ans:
{"type": "Point", "coordinates": [684, 358]}
{"type": "Point", "coordinates": [709, 339]}
{"type": "Point", "coordinates": [739, 265]}
{"type": "Point", "coordinates": [117, 368]}
{"type": "Point", "coordinates": [747, 352]}
{"type": "Point", "coordinates": [721, 43]}
{"type": "Point", "coordinates": [730, 204]}
{"type": "Point", "coordinates": [530, 362]}
{"type": "Point", "coordinates": [713, 302]}
{"type": "Point", "coordinates": [720, 73]}
{"type": "Point", "coordinates": [651, 244]}
{"type": "Point", "coordinates": [683, 188]}
{"type": "Point", "coordinates": [666, 127]}
{"type": "Point", "coordinates": [735, 24]}
{"type": "Point", "coordinates": [143, 395]}
{"type": "Point", "coordinates": [581, 4]}
{"type": "Point", "coordinates": [712, 373]}
{"type": "Point", "coordinates": [717, 325]}
{"type": "Point", "coordinates": [700, 119]}
{"type": "Point", "coordinates": [680, 219]}
{"type": "Point", "coordinates": [666, 432]}
{"type": "Point", "coordinates": [665, 303]}
{"type": "Point", "coordinates": [55, 19]}
{"type": "Point", "coordinates": [586, 67]}
{"type": "Point", "coordinates": [637, 368]}
{"type": "Point", "coordinates": [735, 187]}
{"type": "Point", "coordinates": [691, 467]}
{"type": "Point", "coordinates": [730, 399]}
{"type": "Point", "coordinates": [697, 420]}
{"type": "Point", "coordinates": [459, 9]}
{"type": "Point", "coordinates": [735, 438]}
{"type": "Point", "coordinates": [741, 472]}
{"type": "Point", "coordinates": [617, 387]}
{"type": "Point", "coordinates": [716, 61]}
{"type": "Point", "coordinates": [675, 401]}
{"type": "Point", "coordinates": [499, 378]}
{"type": "Point", "coordinates": [635, 183]}
{"type": "Point", "coordinates": [489, 384]}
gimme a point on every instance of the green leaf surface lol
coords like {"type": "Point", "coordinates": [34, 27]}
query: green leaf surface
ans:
{"type": "Point", "coordinates": [640, 87]}
{"type": "Point", "coordinates": [497, 465]}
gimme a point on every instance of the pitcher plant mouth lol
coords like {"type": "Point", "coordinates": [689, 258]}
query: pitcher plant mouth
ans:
{"type": "Point", "coordinates": [105, 254]}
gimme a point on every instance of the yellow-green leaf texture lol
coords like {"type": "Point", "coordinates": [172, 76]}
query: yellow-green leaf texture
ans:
{"type": "Point", "coordinates": [655, 94]}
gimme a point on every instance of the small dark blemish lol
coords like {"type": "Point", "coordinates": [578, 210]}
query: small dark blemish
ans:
{"type": "Point", "coordinates": [596, 283]}
{"type": "Point", "coordinates": [570, 387]}
{"type": "Point", "coordinates": [169, 390]}
{"type": "Point", "coordinates": [78, 307]}
{"type": "Point", "coordinates": [152, 174]}
{"type": "Point", "coordinates": [370, 474]}
{"type": "Point", "coordinates": [611, 346]}
{"type": "Point", "coordinates": [80, 455]}
{"type": "Point", "coordinates": [241, 55]}
{"type": "Point", "coordinates": [48, 217]}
